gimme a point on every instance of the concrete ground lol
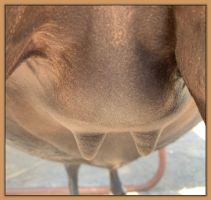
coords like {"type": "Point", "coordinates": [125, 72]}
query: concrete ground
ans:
{"type": "Point", "coordinates": [184, 175]}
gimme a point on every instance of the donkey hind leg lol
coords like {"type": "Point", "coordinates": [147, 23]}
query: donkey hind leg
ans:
{"type": "Point", "coordinates": [72, 172]}
{"type": "Point", "coordinates": [115, 183]}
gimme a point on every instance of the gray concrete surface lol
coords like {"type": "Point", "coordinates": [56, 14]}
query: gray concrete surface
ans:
{"type": "Point", "coordinates": [184, 175]}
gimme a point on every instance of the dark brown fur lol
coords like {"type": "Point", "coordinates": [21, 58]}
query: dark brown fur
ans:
{"type": "Point", "coordinates": [190, 51]}
{"type": "Point", "coordinates": [102, 84]}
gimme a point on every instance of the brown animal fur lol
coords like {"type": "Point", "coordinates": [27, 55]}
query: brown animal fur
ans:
{"type": "Point", "coordinates": [102, 84]}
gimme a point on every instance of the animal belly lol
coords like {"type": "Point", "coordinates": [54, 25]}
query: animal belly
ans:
{"type": "Point", "coordinates": [54, 142]}
{"type": "Point", "coordinates": [33, 126]}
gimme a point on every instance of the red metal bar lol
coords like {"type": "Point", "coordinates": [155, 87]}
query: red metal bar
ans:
{"type": "Point", "coordinates": [98, 190]}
